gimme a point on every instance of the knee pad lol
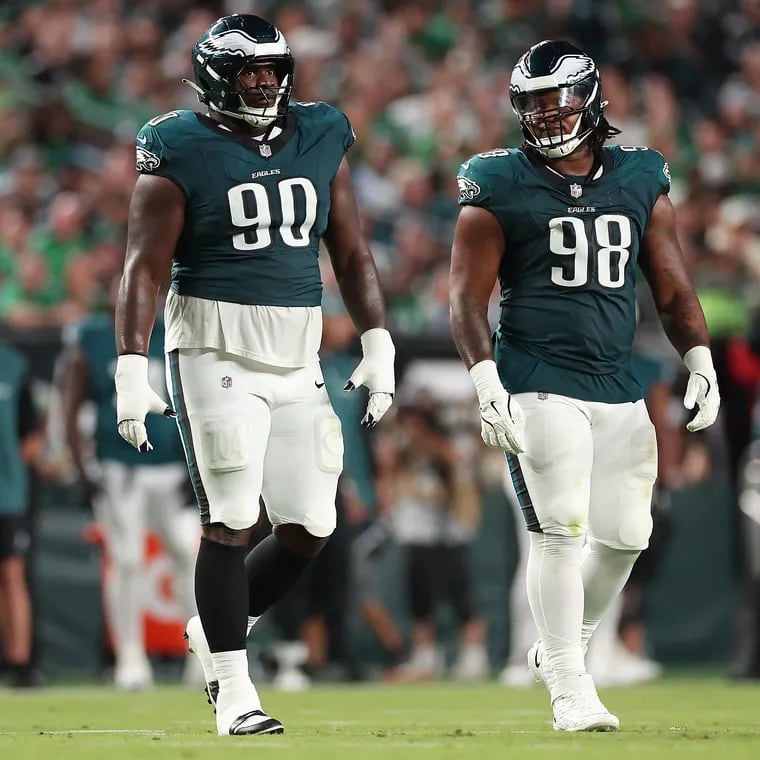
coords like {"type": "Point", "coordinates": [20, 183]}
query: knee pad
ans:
{"type": "Point", "coordinates": [329, 440]}
{"type": "Point", "coordinates": [634, 530]}
{"type": "Point", "coordinates": [225, 443]}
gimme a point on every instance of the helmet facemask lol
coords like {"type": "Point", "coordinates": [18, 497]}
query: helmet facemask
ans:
{"type": "Point", "coordinates": [274, 98]}
{"type": "Point", "coordinates": [544, 116]}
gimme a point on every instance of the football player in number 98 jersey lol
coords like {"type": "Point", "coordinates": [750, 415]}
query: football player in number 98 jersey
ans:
{"type": "Point", "coordinates": [563, 224]}
{"type": "Point", "coordinates": [235, 201]}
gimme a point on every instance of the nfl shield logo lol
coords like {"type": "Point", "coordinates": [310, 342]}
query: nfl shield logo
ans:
{"type": "Point", "coordinates": [226, 381]}
{"type": "Point", "coordinates": [576, 191]}
{"type": "Point", "coordinates": [265, 150]}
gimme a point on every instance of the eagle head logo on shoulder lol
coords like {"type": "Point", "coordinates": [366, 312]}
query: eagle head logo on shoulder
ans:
{"type": "Point", "coordinates": [146, 161]}
{"type": "Point", "coordinates": [467, 189]}
{"type": "Point", "coordinates": [232, 42]}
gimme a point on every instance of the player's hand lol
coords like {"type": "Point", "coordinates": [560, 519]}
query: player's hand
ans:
{"type": "Point", "coordinates": [134, 399]}
{"type": "Point", "coordinates": [376, 372]}
{"type": "Point", "coordinates": [502, 422]}
{"type": "Point", "coordinates": [702, 388]}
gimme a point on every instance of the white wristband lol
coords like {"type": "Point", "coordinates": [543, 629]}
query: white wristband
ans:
{"type": "Point", "coordinates": [485, 378]}
{"type": "Point", "coordinates": [699, 359]}
{"type": "Point", "coordinates": [377, 341]}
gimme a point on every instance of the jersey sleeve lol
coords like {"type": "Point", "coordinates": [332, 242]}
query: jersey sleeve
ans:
{"type": "Point", "coordinates": [349, 136]}
{"type": "Point", "coordinates": [339, 121]}
{"type": "Point", "coordinates": [155, 153]}
{"type": "Point", "coordinates": [474, 184]}
{"type": "Point", "coordinates": [662, 172]}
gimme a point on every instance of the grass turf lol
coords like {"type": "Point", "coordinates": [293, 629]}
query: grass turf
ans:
{"type": "Point", "coordinates": [677, 717]}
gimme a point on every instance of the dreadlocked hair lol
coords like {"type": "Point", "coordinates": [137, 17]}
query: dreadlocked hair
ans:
{"type": "Point", "coordinates": [602, 132]}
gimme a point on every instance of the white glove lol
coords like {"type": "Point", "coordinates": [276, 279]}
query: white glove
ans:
{"type": "Point", "coordinates": [702, 388]}
{"type": "Point", "coordinates": [502, 423]}
{"type": "Point", "coordinates": [375, 371]}
{"type": "Point", "coordinates": [134, 399]}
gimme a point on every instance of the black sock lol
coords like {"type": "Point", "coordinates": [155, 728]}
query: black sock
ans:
{"type": "Point", "coordinates": [272, 570]}
{"type": "Point", "coordinates": [221, 593]}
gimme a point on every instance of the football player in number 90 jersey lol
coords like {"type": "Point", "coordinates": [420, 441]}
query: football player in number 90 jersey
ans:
{"type": "Point", "coordinates": [235, 201]}
{"type": "Point", "coordinates": [563, 223]}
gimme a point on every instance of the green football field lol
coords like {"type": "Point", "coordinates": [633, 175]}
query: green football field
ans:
{"type": "Point", "coordinates": [676, 718]}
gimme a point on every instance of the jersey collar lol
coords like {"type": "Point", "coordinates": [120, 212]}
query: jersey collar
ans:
{"type": "Point", "coordinates": [564, 180]}
{"type": "Point", "coordinates": [263, 148]}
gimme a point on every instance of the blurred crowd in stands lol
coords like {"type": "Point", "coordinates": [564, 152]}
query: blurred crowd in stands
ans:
{"type": "Point", "coordinates": [424, 84]}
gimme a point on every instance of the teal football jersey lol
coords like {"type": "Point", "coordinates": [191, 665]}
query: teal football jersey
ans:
{"type": "Point", "coordinates": [568, 274]}
{"type": "Point", "coordinates": [255, 211]}
{"type": "Point", "coordinates": [95, 338]}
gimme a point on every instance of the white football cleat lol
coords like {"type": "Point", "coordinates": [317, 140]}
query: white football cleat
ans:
{"type": "Point", "coordinates": [242, 714]}
{"type": "Point", "coordinates": [197, 644]}
{"type": "Point", "coordinates": [539, 666]}
{"type": "Point", "coordinates": [582, 710]}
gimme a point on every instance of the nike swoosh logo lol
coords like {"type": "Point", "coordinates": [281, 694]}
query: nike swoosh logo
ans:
{"type": "Point", "coordinates": [319, 385]}
{"type": "Point", "coordinates": [535, 659]}
{"type": "Point", "coordinates": [142, 140]}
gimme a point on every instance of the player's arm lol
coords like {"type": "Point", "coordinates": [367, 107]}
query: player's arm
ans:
{"type": "Point", "coordinates": [359, 285]}
{"type": "Point", "coordinates": [476, 255]}
{"type": "Point", "coordinates": [156, 217]}
{"type": "Point", "coordinates": [352, 261]}
{"type": "Point", "coordinates": [682, 317]}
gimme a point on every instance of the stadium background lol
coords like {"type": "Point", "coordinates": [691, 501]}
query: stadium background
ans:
{"type": "Point", "coordinates": [424, 85]}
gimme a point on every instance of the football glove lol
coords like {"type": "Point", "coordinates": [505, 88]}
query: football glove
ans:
{"type": "Point", "coordinates": [702, 388]}
{"type": "Point", "coordinates": [502, 422]}
{"type": "Point", "coordinates": [134, 399]}
{"type": "Point", "coordinates": [375, 371]}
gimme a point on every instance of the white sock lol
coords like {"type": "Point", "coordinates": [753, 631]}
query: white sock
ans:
{"type": "Point", "coordinates": [601, 649]}
{"type": "Point", "coordinates": [605, 572]}
{"type": "Point", "coordinates": [206, 658]}
{"type": "Point", "coordinates": [555, 592]}
{"type": "Point", "coordinates": [231, 670]}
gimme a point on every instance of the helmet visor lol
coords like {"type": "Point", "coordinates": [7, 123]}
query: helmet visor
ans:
{"type": "Point", "coordinates": [558, 101]}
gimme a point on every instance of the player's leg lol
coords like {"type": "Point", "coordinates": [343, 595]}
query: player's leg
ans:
{"type": "Point", "coordinates": [120, 512]}
{"type": "Point", "coordinates": [423, 592]}
{"type": "Point", "coordinates": [304, 459]}
{"type": "Point", "coordinates": [552, 480]}
{"type": "Point", "coordinates": [472, 658]}
{"type": "Point", "coordinates": [15, 603]}
{"type": "Point", "coordinates": [620, 520]}
{"type": "Point", "coordinates": [224, 429]}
